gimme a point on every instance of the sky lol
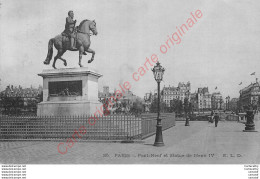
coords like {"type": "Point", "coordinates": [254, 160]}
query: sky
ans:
{"type": "Point", "coordinates": [219, 50]}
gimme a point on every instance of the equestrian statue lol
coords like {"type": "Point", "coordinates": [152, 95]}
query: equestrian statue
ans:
{"type": "Point", "coordinates": [72, 38]}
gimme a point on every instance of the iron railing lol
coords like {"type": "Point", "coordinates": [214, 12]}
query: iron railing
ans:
{"type": "Point", "coordinates": [149, 123]}
{"type": "Point", "coordinates": [111, 127]}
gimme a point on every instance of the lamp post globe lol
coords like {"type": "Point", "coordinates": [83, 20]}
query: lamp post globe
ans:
{"type": "Point", "coordinates": [158, 72]}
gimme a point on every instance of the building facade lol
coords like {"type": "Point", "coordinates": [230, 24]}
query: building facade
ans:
{"type": "Point", "coordinates": [201, 99]}
{"type": "Point", "coordinates": [217, 101]}
{"type": "Point", "coordinates": [233, 104]}
{"type": "Point", "coordinates": [204, 98]}
{"type": "Point", "coordinates": [176, 93]}
{"type": "Point", "coordinates": [117, 102]}
{"type": "Point", "coordinates": [194, 101]}
{"type": "Point", "coordinates": [169, 94]}
{"type": "Point", "coordinates": [102, 95]}
{"type": "Point", "coordinates": [249, 94]}
{"type": "Point", "coordinates": [184, 90]}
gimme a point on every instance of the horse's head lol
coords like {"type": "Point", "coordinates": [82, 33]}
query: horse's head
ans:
{"type": "Point", "coordinates": [93, 27]}
{"type": "Point", "coordinates": [87, 25]}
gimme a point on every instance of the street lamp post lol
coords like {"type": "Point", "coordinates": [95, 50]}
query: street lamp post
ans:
{"type": "Point", "coordinates": [226, 103]}
{"type": "Point", "coordinates": [250, 125]}
{"type": "Point", "coordinates": [228, 98]}
{"type": "Point", "coordinates": [158, 72]}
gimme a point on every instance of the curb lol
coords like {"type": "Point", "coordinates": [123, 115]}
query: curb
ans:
{"type": "Point", "coordinates": [62, 140]}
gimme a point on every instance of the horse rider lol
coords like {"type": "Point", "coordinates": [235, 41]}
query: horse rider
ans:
{"type": "Point", "coordinates": [69, 29]}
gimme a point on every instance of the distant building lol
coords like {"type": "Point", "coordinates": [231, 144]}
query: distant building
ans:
{"type": "Point", "coordinates": [104, 97]}
{"type": "Point", "coordinates": [204, 98]}
{"type": "Point", "coordinates": [201, 99]}
{"type": "Point", "coordinates": [250, 94]}
{"type": "Point", "coordinates": [184, 90]}
{"type": "Point", "coordinates": [127, 101]}
{"type": "Point", "coordinates": [128, 97]}
{"type": "Point", "coordinates": [170, 93]}
{"type": "Point", "coordinates": [104, 94]}
{"type": "Point", "coordinates": [124, 103]}
{"type": "Point", "coordinates": [217, 101]}
{"type": "Point", "coordinates": [194, 101]}
{"type": "Point", "coordinates": [233, 104]}
{"type": "Point", "coordinates": [176, 93]}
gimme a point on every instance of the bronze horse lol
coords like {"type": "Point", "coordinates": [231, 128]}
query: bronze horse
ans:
{"type": "Point", "coordinates": [62, 43]}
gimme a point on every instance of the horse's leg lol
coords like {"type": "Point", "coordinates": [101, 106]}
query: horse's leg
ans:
{"type": "Point", "coordinates": [64, 61]}
{"type": "Point", "coordinates": [57, 57]}
{"type": "Point", "coordinates": [81, 50]}
{"type": "Point", "coordinates": [93, 54]}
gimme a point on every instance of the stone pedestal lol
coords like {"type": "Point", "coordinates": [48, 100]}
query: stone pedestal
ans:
{"type": "Point", "coordinates": [69, 92]}
{"type": "Point", "coordinates": [241, 117]}
{"type": "Point", "coordinates": [187, 122]}
{"type": "Point", "coordinates": [250, 125]}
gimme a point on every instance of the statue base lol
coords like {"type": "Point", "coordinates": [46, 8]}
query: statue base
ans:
{"type": "Point", "coordinates": [68, 108]}
{"type": "Point", "coordinates": [250, 125]}
{"type": "Point", "coordinates": [69, 92]}
{"type": "Point", "coordinates": [250, 128]}
{"type": "Point", "coordinates": [249, 131]}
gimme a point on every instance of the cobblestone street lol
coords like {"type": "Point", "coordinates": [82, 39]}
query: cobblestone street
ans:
{"type": "Point", "coordinates": [200, 143]}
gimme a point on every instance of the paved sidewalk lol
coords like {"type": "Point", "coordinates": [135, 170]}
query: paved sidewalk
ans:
{"type": "Point", "coordinates": [199, 143]}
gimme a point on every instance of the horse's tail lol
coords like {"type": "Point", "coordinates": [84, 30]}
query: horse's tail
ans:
{"type": "Point", "coordinates": [50, 51]}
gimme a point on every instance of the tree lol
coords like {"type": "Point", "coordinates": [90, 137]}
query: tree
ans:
{"type": "Point", "coordinates": [105, 103]}
{"type": "Point", "coordinates": [186, 105]}
{"type": "Point", "coordinates": [124, 104]}
{"type": "Point", "coordinates": [176, 105]}
{"type": "Point", "coordinates": [258, 103]}
{"type": "Point", "coordinates": [40, 97]}
{"type": "Point", "coordinates": [221, 102]}
{"type": "Point", "coordinates": [6, 103]}
{"type": "Point", "coordinates": [154, 106]}
{"type": "Point", "coordinates": [173, 105]}
{"type": "Point", "coordinates": [138, 107]}
{"type": "Point", "coordinates": [180, 107]}
{"type": "Point", "coordinates": [12, 105]}
{"type": "Point", "coordinates": [32, 105]}
{"type": "Point", "coordinates": [190, 108]}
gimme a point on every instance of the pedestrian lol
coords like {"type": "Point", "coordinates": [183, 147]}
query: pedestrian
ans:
{"type": "Point", "coordinates": [216, 117]}
{"type": "Point", "coordinates": [211, 118]}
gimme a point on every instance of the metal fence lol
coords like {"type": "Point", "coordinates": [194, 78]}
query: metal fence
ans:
{"type": "Point", "coordinates": [149, 123]}
{"type": "Point", "coordinates": [232, 117]}
{"type": "Point", "coordinates": [241, 117]}
{"type": "Point", "coordinates": [112, 127]}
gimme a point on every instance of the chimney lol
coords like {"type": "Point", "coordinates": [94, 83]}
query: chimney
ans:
{"type": "Point", "coordinates": [256, 80]}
